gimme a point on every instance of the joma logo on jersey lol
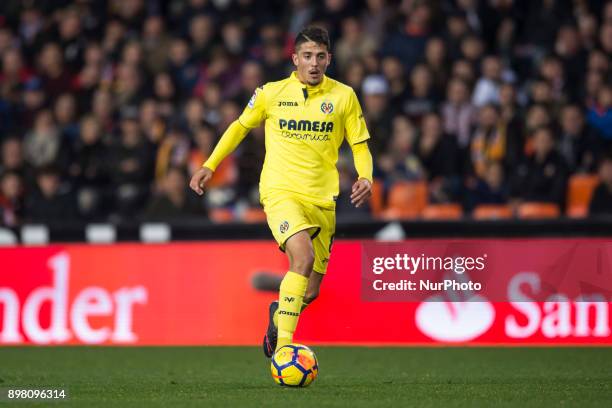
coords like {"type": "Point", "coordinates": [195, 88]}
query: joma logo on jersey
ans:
{"type": "Point", "coordinates": [307, 125]}
{"type": "Point", "coordinates": [287, 103]}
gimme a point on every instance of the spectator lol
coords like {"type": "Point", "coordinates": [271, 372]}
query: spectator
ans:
{"type": "Point", "coordinates": [131, 166]}
{"type": "Point", "coordinates": [103, 109]}
{"type": "Point", "coordinates": [11, 199]}
{"type": "Point", "coordinates": [173, 151]}
{"type": "Point", "coordinates": [511, 114]}
{"type": "Point", "coordinates": [542, 177]}
{"type": "Point", "coordinates": [251, 77]}
{"type": "Point", "coordinates": [598, 61]}
{"type": "Point", "coordinates": [439, 155]}
{"type": "Point", "coordinates": [344, 209]}
{"type": "Point", "coordinates": [44, 146]}
{"type": "Point", "coordinates": [472, 49]}
{"type": "Point", "coordinates": [212, 102]}
{"type": "Point", "coordinates": [195, 114]}
{"type": "Point", "coordinates": [600, 116]}
{"type": "Point", "coordinates": [491, 188]}
{"type": "Point", "coordinates": [489, 140]}
{"type": "Point", "coordinates": [587, 27]}
{"type": "Point", "coordinates": [232, 36]}
{"type": "Point", "coordinates": [205, 139]}
{"type": "Point", "coordinates": [408, 43]}
{"type": "Point", "coordinates": [153, 125]}
{"type": "Point", "coordinates": [50, 202]}
{"type": "Point", "coordinates": [70, 36]}
{"type": "Point", "coordinates": [201, 34]}
{"type": "Point", "coordinates": [436, 61]}
{"type": "Point", "coordinates": [32, 101]}
{"type": "Point", "coordinates": [456, 29]}
{"type": "Point", "coordinates": [374, 19]}
{"type": "Point", "coordinates": [593, 82]}
{"type": "Point", "coordinates": [537, 117]}
{"type": "Point", "coordinates": [274, 63]}
{"type": "Point", "coordinates": [399, 162]}
{"type": "Point", "coordinates": [464, 70]}
{"type": "Point", "coordinates": [65, 115]}
{"type": "Point", "coordinates": [420, 98]}
{"type": "Point", "coordinates": [553, 73]}
{"type": "Point", "coordinates": [173, 201]}
{"type": "Point", "coordinates": [487, 87]}
{"type": "Point", "coordinates": [55, 76]}
{"type": "Point", "coordinates": [156, 43]}
{"type": "Point", "coordinates": [457, 112]}
{"type": "Point", "coordinates": [249, 164]}
{"type": "Point", "coordinates": [376, 111]}
{"type": "Point", "coordinates": [573, 57]}
{"type": "Point", "coordinates": [579, 144]}
{"type": "Point", "coordinates": [128, 89]}
{"type": "Point", "coordinates": [393, 71]}
{"type": "Point", "coordinates": [601, 203]}
{"type": "Point", "coordinates": [11, 158]}
{"type": "Point", "coordinates": [14, 74]}
{"type": "Point", "coordinates": [90, 171]}
{"type": "Point", "coordinates": [354, 44]}
{"type": "Point", "coordinates": [182, 67]}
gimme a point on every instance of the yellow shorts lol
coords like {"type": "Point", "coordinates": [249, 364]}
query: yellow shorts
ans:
{"type": "Point", "coordinates": [288, 215]}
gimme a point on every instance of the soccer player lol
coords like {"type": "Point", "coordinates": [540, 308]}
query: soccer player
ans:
{"type": "Point", "coordinates": [307, 116]}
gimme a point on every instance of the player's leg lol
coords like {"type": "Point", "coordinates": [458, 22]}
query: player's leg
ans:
{"type": "Point", "coordinates": [293, 287]}
{"type": "Point", "coordinates": [322, 244]}
{"type": "Point", "coordinates": [286, 219]}
{"type": "Point", "coordinates": [312, 291]}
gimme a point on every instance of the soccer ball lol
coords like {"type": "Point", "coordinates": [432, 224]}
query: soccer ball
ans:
{"type": "Point", "coordinates": [294, 365]}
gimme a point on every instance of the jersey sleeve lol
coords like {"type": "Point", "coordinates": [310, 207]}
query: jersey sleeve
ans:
{"type": "Point", "coordinates": [354, 122]}
{"type": "Point", "coordinates": [255, 111]}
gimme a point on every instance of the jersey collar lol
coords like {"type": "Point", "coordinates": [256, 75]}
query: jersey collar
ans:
{"type": "Point", "coordinates": [312, 89]}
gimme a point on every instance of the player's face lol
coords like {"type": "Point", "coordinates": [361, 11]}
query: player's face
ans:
{"type": "Point", "coordinates": [311, 60]}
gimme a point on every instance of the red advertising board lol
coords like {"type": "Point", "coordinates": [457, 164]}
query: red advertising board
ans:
{"type": "Point", "coordinates": [202, 293]}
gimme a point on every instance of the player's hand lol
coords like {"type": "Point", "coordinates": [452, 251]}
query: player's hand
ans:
{"type": "Point", "coordinates": [199, 179]}
{"type": "Point", "coordinates": [362, 190]}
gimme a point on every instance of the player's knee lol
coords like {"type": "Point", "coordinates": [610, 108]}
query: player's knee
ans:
{"type": "Point", "coordinates": [303, 262]}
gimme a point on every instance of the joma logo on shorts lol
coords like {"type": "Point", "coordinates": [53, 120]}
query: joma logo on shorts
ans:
{"type": "Point", "coordinates": [287, 103]}
{"type": "Point", "coordinates": [307, 125]}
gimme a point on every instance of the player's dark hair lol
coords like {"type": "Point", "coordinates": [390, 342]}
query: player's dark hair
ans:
{"type": "Point", "coordinates": [313, 33]}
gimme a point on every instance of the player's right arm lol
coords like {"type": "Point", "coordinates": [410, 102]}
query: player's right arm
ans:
{"type": "Point", "coordinates": [251, 117]}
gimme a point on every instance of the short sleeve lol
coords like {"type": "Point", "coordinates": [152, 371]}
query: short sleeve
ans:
{"type": "Point", "coordinates": [255, 111]}
{"type": "Point", "coordinates": [354, 122]}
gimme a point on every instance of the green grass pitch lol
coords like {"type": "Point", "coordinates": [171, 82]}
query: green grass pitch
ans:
{"type": "Point", "coordinates": [349, 377]}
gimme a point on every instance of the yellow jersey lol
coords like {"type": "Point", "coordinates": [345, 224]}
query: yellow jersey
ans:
{"type": "Point", "coordinates": [304, 128]}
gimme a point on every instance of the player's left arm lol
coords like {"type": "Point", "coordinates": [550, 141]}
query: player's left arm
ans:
{"type": "Point", "coordinates": [362, 188]}
{"type": "Point", "coordinates": [357, 135]}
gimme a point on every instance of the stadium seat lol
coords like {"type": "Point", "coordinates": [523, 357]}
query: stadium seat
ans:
{"type": "Point", "coordinates": [221, 215]}
{"type": "Point", "coordinates": [579, 192]}
{"type": "Point", "coordinates": [377, 199]}
{"type": "Point", "coordinates": [492, 212]}
{"type": "Point", "coordinates": [407, 199]}
{"type": "Point", "coordinates": [253, 215]}
{"type": "Point", "coordinates": [443, 212]}
{"type": "Point", "coordinates": [536, 210]}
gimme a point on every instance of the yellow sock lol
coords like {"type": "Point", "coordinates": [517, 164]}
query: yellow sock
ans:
{"type": "Point", "coordinates": [275, 317]}
{"type": "Point", "coordinates": [290, 297]}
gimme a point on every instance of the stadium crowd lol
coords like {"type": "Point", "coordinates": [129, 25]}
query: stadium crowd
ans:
{"type": "Point", "coordinates": [106, 107]}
